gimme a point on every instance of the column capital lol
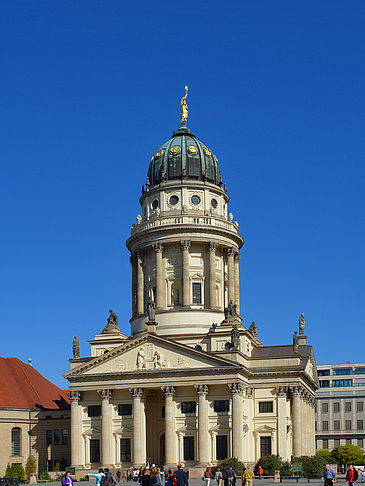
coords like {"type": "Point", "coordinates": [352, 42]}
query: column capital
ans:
{"type": "Point", "coordinates": [185, 244]}
{"type": "Point", "coordinates": [139, 254]}
{"type": "Point", "coordinates": [74, 395]}
{"type": "Point", "coordinates": [212, 246]}
{"type": "Point", "coordinates": [202, 389]}
{"type": "Point", "coordinates": [105, 394]}
{"type": "Point", "coordinates": [136, 392]}
{"type": "Point", "coordinates": [296, 391]}
{"type": "Point", "coordinates": [237, 257]}
{"type": "Point", "coordinates": [158, 247]}
{"type": "Point", "coordinates": [250, 392]}
{"type": "Point", "coordinates": [282, 391]}
{"type": "Point", "coordinates": [168, 391]}
{"type": "Point", "coordinates": [236, 388]}
{"type": "Point", "coordinates": [231, 251]}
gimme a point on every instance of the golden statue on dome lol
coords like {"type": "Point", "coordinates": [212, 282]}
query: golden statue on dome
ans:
{"type": "Point", "coordinates": [184, 106]}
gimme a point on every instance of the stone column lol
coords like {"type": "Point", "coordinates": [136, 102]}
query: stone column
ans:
{"type": "Point", "coordinates": [76, 429]}
{"type": "Point", "coordinates": [185, 246]}
{"type": "Point", "coordinates": [282, 435]}
{"type": "Point", "coordinates": [170, 427]}
{"type": "Point", "coordinates": [230, 261]}
{"type": "Point", "coordinates": [237, 390]}
{"type": "Point", "coordinates": [106, 428]}
{"type": "Point", "coordinates": [133, 261]}
{"type": "Point", "coordinates": [203, 426]}
{"type": "Point", "coordinates": [212, 275]}
{"type": "Point", "coordinates": [312, 446]}
{"type": "Point", "coordinates": [139, 429]}
{"type": "Point", "coordinates": [140, 283]}
{"type": "Point", "coordinates": [237, 259]}
{"type": "Point", "coordinates": [296, 421]}
{"type": "Point", "coordinates": [159, 276]}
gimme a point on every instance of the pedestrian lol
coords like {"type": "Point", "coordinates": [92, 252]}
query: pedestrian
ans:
{"type": "Point", "coordinates": [108, 480]}
{"type": "Point", "coordinates": [260, 471]}
{"type": "Point", "coordinates": [247, 477]}
{"type": "Point", "coordinates": [156, 479]}
{"type": "Point", "coordinates": [146, 477]}
{"type": "Point", "coordinates": [135, 474]}
{"type": "Point", "coordinates": [67, 480]}
{"type": "Point", "coordinates": [99, 475]}
{"type": "Point", "coordinates": [207, 476]}
{"type": "Point", "coordinates": [230, 475]}
{"type": "Point", "coordinates": [118, 474]}
{"type": "Point", "coordinates": [179, 478]}
{"type": "Point", "coordinates": [351, 475]}
{"type": "Point", "coordinates": [329, 476]}
{"type": "Point", "coordinates": [218, 476]}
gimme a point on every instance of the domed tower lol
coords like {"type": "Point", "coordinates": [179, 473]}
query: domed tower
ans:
{"type": "Point", "coordinates": [185, 247]}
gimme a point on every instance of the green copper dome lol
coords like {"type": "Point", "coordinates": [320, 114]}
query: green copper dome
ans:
{"type": "Point", "coordinates": [183, 157]}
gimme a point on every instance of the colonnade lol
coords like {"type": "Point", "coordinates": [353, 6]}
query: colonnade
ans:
{"type": "Point", "coordinates": [303, 421]}
{"type": "Point", "coordinates": [138, 277]}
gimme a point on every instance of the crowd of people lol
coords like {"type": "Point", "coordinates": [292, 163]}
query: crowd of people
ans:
{"type": "Point", "coordinates": [352, 475]}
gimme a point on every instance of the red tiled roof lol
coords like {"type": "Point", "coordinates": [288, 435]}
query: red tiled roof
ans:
{"type": "Point", "coordinates": [21, 386]}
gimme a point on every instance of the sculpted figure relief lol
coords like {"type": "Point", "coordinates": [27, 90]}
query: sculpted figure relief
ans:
{"type": "Point", "coordinates": [151, 310]}
{"type": "Point", "coordinates": [158, 361]}
{"type": "Point", "coordinates": [253, 329]}
{"type": "Point", "coordinates": [235, 337]}
{"type": "Point", "coordinates": [140, 359]}
{"type": "Point", "coordinates": [296, 342]}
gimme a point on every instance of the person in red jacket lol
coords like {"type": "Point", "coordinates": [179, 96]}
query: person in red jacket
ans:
{"type": "Point", "coordinates": [351, 475]}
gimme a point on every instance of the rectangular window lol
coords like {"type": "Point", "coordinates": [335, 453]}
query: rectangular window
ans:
{"type": "Point", "coordinates": [49, 437]}
{"type": "Point", "coordinates": [347, 406]}
{"type": "Point", "coordinates": [221, 447]}
{"type": "Point", "coordinates": [57, 437]}
{"type": "Point", "coordinates": [360, 425]}
{"type": "Point", "coordinates": [359, 382]}
{"type": "Point", "coordinates": [360, 371]}
{"type": "Point", "coordinates": [341, 383]}
{"type": "Point", "coordinates": [125, 409]}
{"type": "Point", "coordinates": [163, 412]}
{"type": "Point", "coordinates": [348, 424]}
{"type": "Point", "coordinates": [197, 293]}
{"type": "Point", "coordinates": [360, 443]}
{"type": "Point", "coordinates": [94, 411]}
{"type": "Point", "coordinates": [336, 425]}
{"type": "Point", "coordinates": [342, 371]}
{"type": "Point", "coordinates": [325, 425]}
{"type": "Point", "coordinates": [265, 407]}
{"type": "Point", "coordinates": [189, 453]}
{"type": "Point", "coordinates": [336, 443]}
{"type": "Point", "coordinates": [324, 383]}
{"type": "Point", "coordinates": [265, 446]}
{"type": "Point", "coordinates": [324, 407]}
{"type": "Point", "coordinates": [359, 406]}
{"type": "Point", "coordinates": [188, 407]}
{"type": "Point", "coordinates": [323, 372]}
{"type": "Point", "coordinates": [325, 444]}
{"type": "Point", "coordinates": [336, 407]}
{"type": "Point", "coordinates": [64, 436]}
{"type": "Point", "coordinates": [348, 441]}
{"type": "Point", "coordinates": [94, 450]}
{"type": "Point", "coordinates": [125, 450]}
{"type": "Point", "coordinates": [221, 406]}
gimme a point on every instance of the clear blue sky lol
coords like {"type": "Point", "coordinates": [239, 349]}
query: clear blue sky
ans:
{"type": "Point", "coordinates": [91, 89]}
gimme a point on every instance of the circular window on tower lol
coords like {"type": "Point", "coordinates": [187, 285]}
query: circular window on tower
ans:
{"type": "Point", "coordinates": [155, 204]}
{"type": "Point", "coordinates": [214, 203]}
{"type": "Point", "coordinates": [173, 200]}
{"type": "Point", "coordinates": [195, 199]}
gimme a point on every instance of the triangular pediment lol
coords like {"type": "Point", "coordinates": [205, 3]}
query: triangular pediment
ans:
{"type": "Point", "coordinates": [265, 428]}
{"type": "Point", "coordinates": [150, 353]}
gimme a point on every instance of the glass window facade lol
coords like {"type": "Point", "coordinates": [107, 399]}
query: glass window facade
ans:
{"type": "Point", "coordinates": [197, 293]}
{"type": "Point", "coordinates": [323, 372]}
{"type": "Point", "coordinates": [341, 383]}
{"type": "Point", "coordinates": [324, 383]}
{"type": "Point", "coordinates": [342, 371]}
{"type": "Point", "coordinates": [16, 437]}
{"type": "Point", "coordinates": [265, 407]}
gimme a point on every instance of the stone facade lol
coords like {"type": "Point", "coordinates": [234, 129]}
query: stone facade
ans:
{"type": "Point", "coordinates": [195, 386]}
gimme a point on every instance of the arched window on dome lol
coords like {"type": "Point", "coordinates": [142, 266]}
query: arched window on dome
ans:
{"type": "Point", "coordinates": [16, 438]}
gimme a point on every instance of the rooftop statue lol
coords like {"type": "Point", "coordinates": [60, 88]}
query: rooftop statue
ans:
{"type": "Point", "coordinates": [296, 342]}
{"type": "Point", "coordinates": [235, 337]}
{"type": "Point", "coordinates": [112, 322]}
{"type": "Point", "coordinates": [76, 348]}
{"type": "Point", "coordinates": [253, 329]}
{"type": "Point", "coordinates": [151, 310]}
{"type": "Point", "coordinates": [301, 324]}
{"type": "Point", "coordinates": [231, 310]}
{"type": "Point", "coordinates": [184, 106]}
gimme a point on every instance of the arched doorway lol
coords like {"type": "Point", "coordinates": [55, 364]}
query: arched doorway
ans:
{"type": "Point", "coordinates": [162, 449]}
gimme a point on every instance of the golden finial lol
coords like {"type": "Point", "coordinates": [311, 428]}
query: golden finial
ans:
{"type": "Point", "coordinates": [184, 107]}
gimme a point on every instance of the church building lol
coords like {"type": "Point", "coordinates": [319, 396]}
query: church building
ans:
{"type": "Point", "coordinates": [191, 385]}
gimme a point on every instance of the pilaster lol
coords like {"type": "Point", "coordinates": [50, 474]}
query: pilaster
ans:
{"type": "Point", "coordinates": [185, 246]}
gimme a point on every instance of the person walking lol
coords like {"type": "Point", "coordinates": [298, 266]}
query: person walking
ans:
{"type": "Point", "coordinates": [156, 479]}
{"type": "Point", "coordinates": [247, 477]}
{"type": "Point", "coordinates": [118, 474]}
{"type": "Point", "coordinates": [351, 475]}
{"type": "Point", "coordinates": [146, 477]}
{"type": "Point", "coordinates": [218, 476]}
{"type": "Point", "coordinates": [230, 475]}
{"type": "Point", "coordinates": [329, 476]}
{"type": "Point", "coordinates": [180, 477]}
{"type": "Point", "coordinates": [260, 471]}
{"type": "Point", "coordinates": [99, 475]}
{"type": "Point", "coordinates": [67, 480]}
{"type": "Point", "coordinates": [207, 476]}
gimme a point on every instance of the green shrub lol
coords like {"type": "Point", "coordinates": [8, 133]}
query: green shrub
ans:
{"type": "Point", "coordinates": [57, 467]}
{"type": "Point", "coordinates": [86, 478]}
{"type": "Point", "coordinates": [45, 475]}
{"type": "Point", "coordinates": [237, 465]}
{"type": "Point", "coordinates": [18, 472]}
{"type": "Point", "coordinates": [9, 471]}
{"type": "Point", "coordinates": [312, 466]}
{"type": "Point", "coordinates": [285, 469]}
{"type": "Point", "coordinates": [31, 466]}
{"type": "Point", "coordinates": [269, 464]}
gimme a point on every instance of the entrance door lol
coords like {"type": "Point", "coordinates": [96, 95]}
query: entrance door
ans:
{"type": "Point", "coordinates": [265, 446]}
{"type": "Point", "coordinates": [162, 449]}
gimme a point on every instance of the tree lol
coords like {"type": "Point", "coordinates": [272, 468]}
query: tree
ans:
{"type": "Point", "coordinates": [312, 466]}
{"type": "Point", "coordinates": [18, 472]}
{"type": "Point", "coordinates": [31, 466]}
{"type": "Point", "coordinates": [348, 454]}
{"type": "Point", "coordinates": [237, 465]}
{"type": "Point", "coordinates": [269, 464]}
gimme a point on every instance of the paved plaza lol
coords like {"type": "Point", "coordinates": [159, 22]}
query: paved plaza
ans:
{"type": "Point", "coordinates": [198, 482]}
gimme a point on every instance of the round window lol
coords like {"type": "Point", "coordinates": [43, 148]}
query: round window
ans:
{"type": "Point", "coordinates": [155, 204]}
{"type": "Point", "coordinates": [214, 203]}
{"type": "Point", "coordinates": [195, 199]}
{"type": "Point", "coordinates": [173, 200]}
